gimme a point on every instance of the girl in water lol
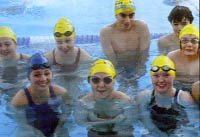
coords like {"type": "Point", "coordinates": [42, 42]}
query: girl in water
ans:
{"type": "Point", "coordinates": [41, 100]}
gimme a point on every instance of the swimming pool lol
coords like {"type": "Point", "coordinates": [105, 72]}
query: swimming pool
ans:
{"type": "Point", "coordinates": [35, 20]}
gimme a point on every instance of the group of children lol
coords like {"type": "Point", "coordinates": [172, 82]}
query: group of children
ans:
{"type": "Point", "coordinates": [100, 110]}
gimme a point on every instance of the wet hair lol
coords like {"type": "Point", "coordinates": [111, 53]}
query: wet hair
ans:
{"type": "Point", "coordinates": [179, 12]}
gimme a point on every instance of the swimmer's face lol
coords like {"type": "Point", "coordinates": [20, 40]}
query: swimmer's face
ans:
{"type": "Point", "coordinates": [104, 87]}
{"type": "Point", "coordinates": [7, 48]}
{"type": "Point", "coordinates": [189, 45]}
{"type": "Point", "coordinates": [177, 26]}
{"type": "Point", "coordinates": [65, 45]}
{"type": "Point", "coordinates": [125, 19]}
{"type": "Point", "coordinates": [162, 82]}
{"type": "Point", "coordinates": [40, 79]}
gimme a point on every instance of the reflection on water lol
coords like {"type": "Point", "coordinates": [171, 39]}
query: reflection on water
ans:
{"type": "Point", "coordinates": [18, 114]}
{"type": "Point", "coordinates": [105, 115]}
{"type": "Point", "coordinates": [13, 76]}
{"type": "Point", "coordinates": [182, 86]}
{"type": "Point", "coordinates": [108, 109]}
{"type": "Point", "coordinates": [21, 8]}
{"type": "Point", "coordinates": [75, 82]}
{"type": "Point", "coordinates": [186, 129]}
{"type": "Point", "coordinates": [129, 70]}
{"type": "Point", "coordinates": [191, 129]}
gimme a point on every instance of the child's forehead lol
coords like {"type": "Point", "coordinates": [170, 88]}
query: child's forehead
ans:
{"type": "Point", "coordinates": [5, 39]}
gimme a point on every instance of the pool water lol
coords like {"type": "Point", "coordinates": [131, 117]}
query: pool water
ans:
{"type": "Point", "coordinates": [36, 18]}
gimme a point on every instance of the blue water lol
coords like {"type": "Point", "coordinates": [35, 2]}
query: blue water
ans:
{"type": "Point", "coordinates": [38, 17]}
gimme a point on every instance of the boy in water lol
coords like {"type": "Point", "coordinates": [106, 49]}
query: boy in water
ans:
{"type": "Point", "coordinates": [126, 43]}
{"type": "Point", "coordinates": [122, 40]}
{"type": "Point", "coordinates": [179, 17]}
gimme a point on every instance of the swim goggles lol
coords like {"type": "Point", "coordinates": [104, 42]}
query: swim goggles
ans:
{"type": "Point", "coordinates": [124, 6]}
{"type": "Point", "coordinates": [67, 33]}
{"type": "Point", "coordinates": [96, 80]}
{"type": "Point", "coordinates": [164, 68]}
{"type": "Point", "coordinates": [193, 41]}
{"type": "Point", "coordinates": [40, 66]}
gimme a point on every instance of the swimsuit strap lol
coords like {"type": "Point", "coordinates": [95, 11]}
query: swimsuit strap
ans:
{"type": "Point", "coordinates": [176, 96]}
{"type": "Point", "coordinates": [177, 91]}
{"type": "Point", "coordinates": [30, 100]}
{"type": "Point", "coordinates": [152, 97]}
{"type": "Point", "coordinates": [28, 95]}
{"type": "Point", "coordinates": [76, 61]}
{"type": "Point", "coordinates": [78, 56]}
{"type": "Point", "coordinates": [52, 93]}
{"type": "Point", "coordinates": [54, 60]}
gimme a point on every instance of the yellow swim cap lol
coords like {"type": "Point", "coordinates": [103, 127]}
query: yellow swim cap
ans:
{"type": "Point", "coordinates": [124, 5]}
{"type": "Point", "coordinates": [189, 29]}
{"type": "Point", "coordinates": [103, 65]}
{"type": "Point", "coordinates": [161, 61]}
{"type": "Point", "coordinates": [7, 32]}
{"type": "Point", "coordinates": [63, 29]}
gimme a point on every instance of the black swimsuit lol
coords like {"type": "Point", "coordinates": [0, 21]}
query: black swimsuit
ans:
{"type": "Point", "coordinates": [167, 120]}
{"type": "Point", "coordinates": [42, 116]}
